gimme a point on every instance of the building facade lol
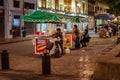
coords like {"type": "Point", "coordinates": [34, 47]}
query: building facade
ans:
{"type": "Point", "coordinates": [75, 6]}
{"type": "Point", "coordinates": [2, 19]}
{"type": "Point", "coordinates": [64, 7]}
{"type": "Point", "coordinates": [95, 8]}
{"type": "Point", "coordinates": [11, 12]}
{"type": "Point", "coordinates": [91, 13]}
{"type": "Point", "coordinates": [101, 9]}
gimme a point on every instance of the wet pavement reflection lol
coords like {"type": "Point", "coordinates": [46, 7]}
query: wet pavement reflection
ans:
{"type": "Point", "coordinates": [82, 62]}
{"type": "Point", "coordinates": [77, 65]}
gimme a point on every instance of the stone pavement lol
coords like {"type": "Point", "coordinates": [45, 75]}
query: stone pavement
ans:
{"type": "Point", "coordinates": [77, 65]}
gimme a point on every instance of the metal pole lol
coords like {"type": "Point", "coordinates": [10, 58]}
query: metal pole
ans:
{"type": "Point", "coordinates": [5, 60]}
{"type": "Point", "coordinates": [46, 64]}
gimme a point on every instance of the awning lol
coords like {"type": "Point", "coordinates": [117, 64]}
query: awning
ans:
{"type": "Point", "coordinates": [75, 19]}
{"type": "Point", "coordinates": [117, 22]}
{"type": "Point", "coordinates": [42, 16]}
{"type": "Point", "coordinates": [104, 17]}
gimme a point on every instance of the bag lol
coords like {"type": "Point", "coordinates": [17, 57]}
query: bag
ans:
{"type": "Point", "coordinates": [67, 50]}
{"type": "Point", "coordinates": [73, 37]}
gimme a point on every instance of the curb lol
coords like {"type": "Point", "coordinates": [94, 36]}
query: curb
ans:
{"type": "Point", "coordinates": [14, 41]}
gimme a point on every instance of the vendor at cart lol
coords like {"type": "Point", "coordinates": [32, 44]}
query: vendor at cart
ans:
{"type": "Point", "coordinates": [76, 36]}
{"type": "Point", "coordinates": [59, 42]}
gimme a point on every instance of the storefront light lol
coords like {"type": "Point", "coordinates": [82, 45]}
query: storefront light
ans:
{"type": "Point", "coordinates": [71, 14]}
{"type": "Point", "coordinates": [63, 12]}
{"type": "Point", "coordinates": [50, 11]}
{"type": "Point", "coordinates": [81, 15]}
{"type": "Point", "coordinates": [53, 12]}
{"type": "Point", "coordinates": [60, 12]}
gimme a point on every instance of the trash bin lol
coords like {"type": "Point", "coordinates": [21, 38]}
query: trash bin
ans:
{"type": "Point", "coordinates": [46, 64]}
{"type": "Point", "coordinates": [24, 33]}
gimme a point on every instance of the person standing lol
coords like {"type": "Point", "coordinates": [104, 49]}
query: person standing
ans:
{"type": "Point", "coordinates": [96, 30]}
{"type": "Point", "coordinates": [85, 38]}
{"type": "Point", "coordinates": [77, 34]}
{"type": "Point", "coordinates": [110, 31]}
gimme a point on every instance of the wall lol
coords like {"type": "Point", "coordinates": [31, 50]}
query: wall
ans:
{"type": "Point", "coordinates": [10, 12]}
{"type": "Point", "coordinates": [108, 66]}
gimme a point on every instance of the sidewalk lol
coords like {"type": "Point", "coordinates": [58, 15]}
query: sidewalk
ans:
{"type": "Point", "coordinates": [13, 40]}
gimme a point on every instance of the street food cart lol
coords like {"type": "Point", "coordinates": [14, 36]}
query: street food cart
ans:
{"type": "Point", "coordinates": [41, 41]}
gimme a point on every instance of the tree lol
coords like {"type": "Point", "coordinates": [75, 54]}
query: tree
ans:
{"type": "Point", "coordinates": [114, 6]}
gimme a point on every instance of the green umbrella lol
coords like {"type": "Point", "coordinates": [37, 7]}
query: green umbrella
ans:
{"type": "Point", "coordinates": [41, 16]}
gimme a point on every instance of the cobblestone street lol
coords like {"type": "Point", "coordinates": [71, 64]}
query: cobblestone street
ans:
{"type": "Point", "coordinates": [77, 65]}
{"type": "Point", "coordinates": [59, 39]}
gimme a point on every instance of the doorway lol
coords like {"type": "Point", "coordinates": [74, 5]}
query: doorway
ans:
{"type": "Point", "coordinates": [2, 24]}
{"type": "Point", "coordinates": [16, 26]}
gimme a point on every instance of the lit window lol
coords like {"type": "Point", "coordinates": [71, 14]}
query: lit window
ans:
{"type": "Point", "coordinates": [43, 27]}
{"type": "Point", "coordinates": [61, 5]}
{"type": "Point", "coordinates": [53, 4]}
{"type": "Point", "coordinates": [39, 3]}
{"type": "Point", "coordinates": [48, 4]}
{"type": "Point", "coordinates": [69, 27]}
{"type": "Point", "coordinates": [16, 21]}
